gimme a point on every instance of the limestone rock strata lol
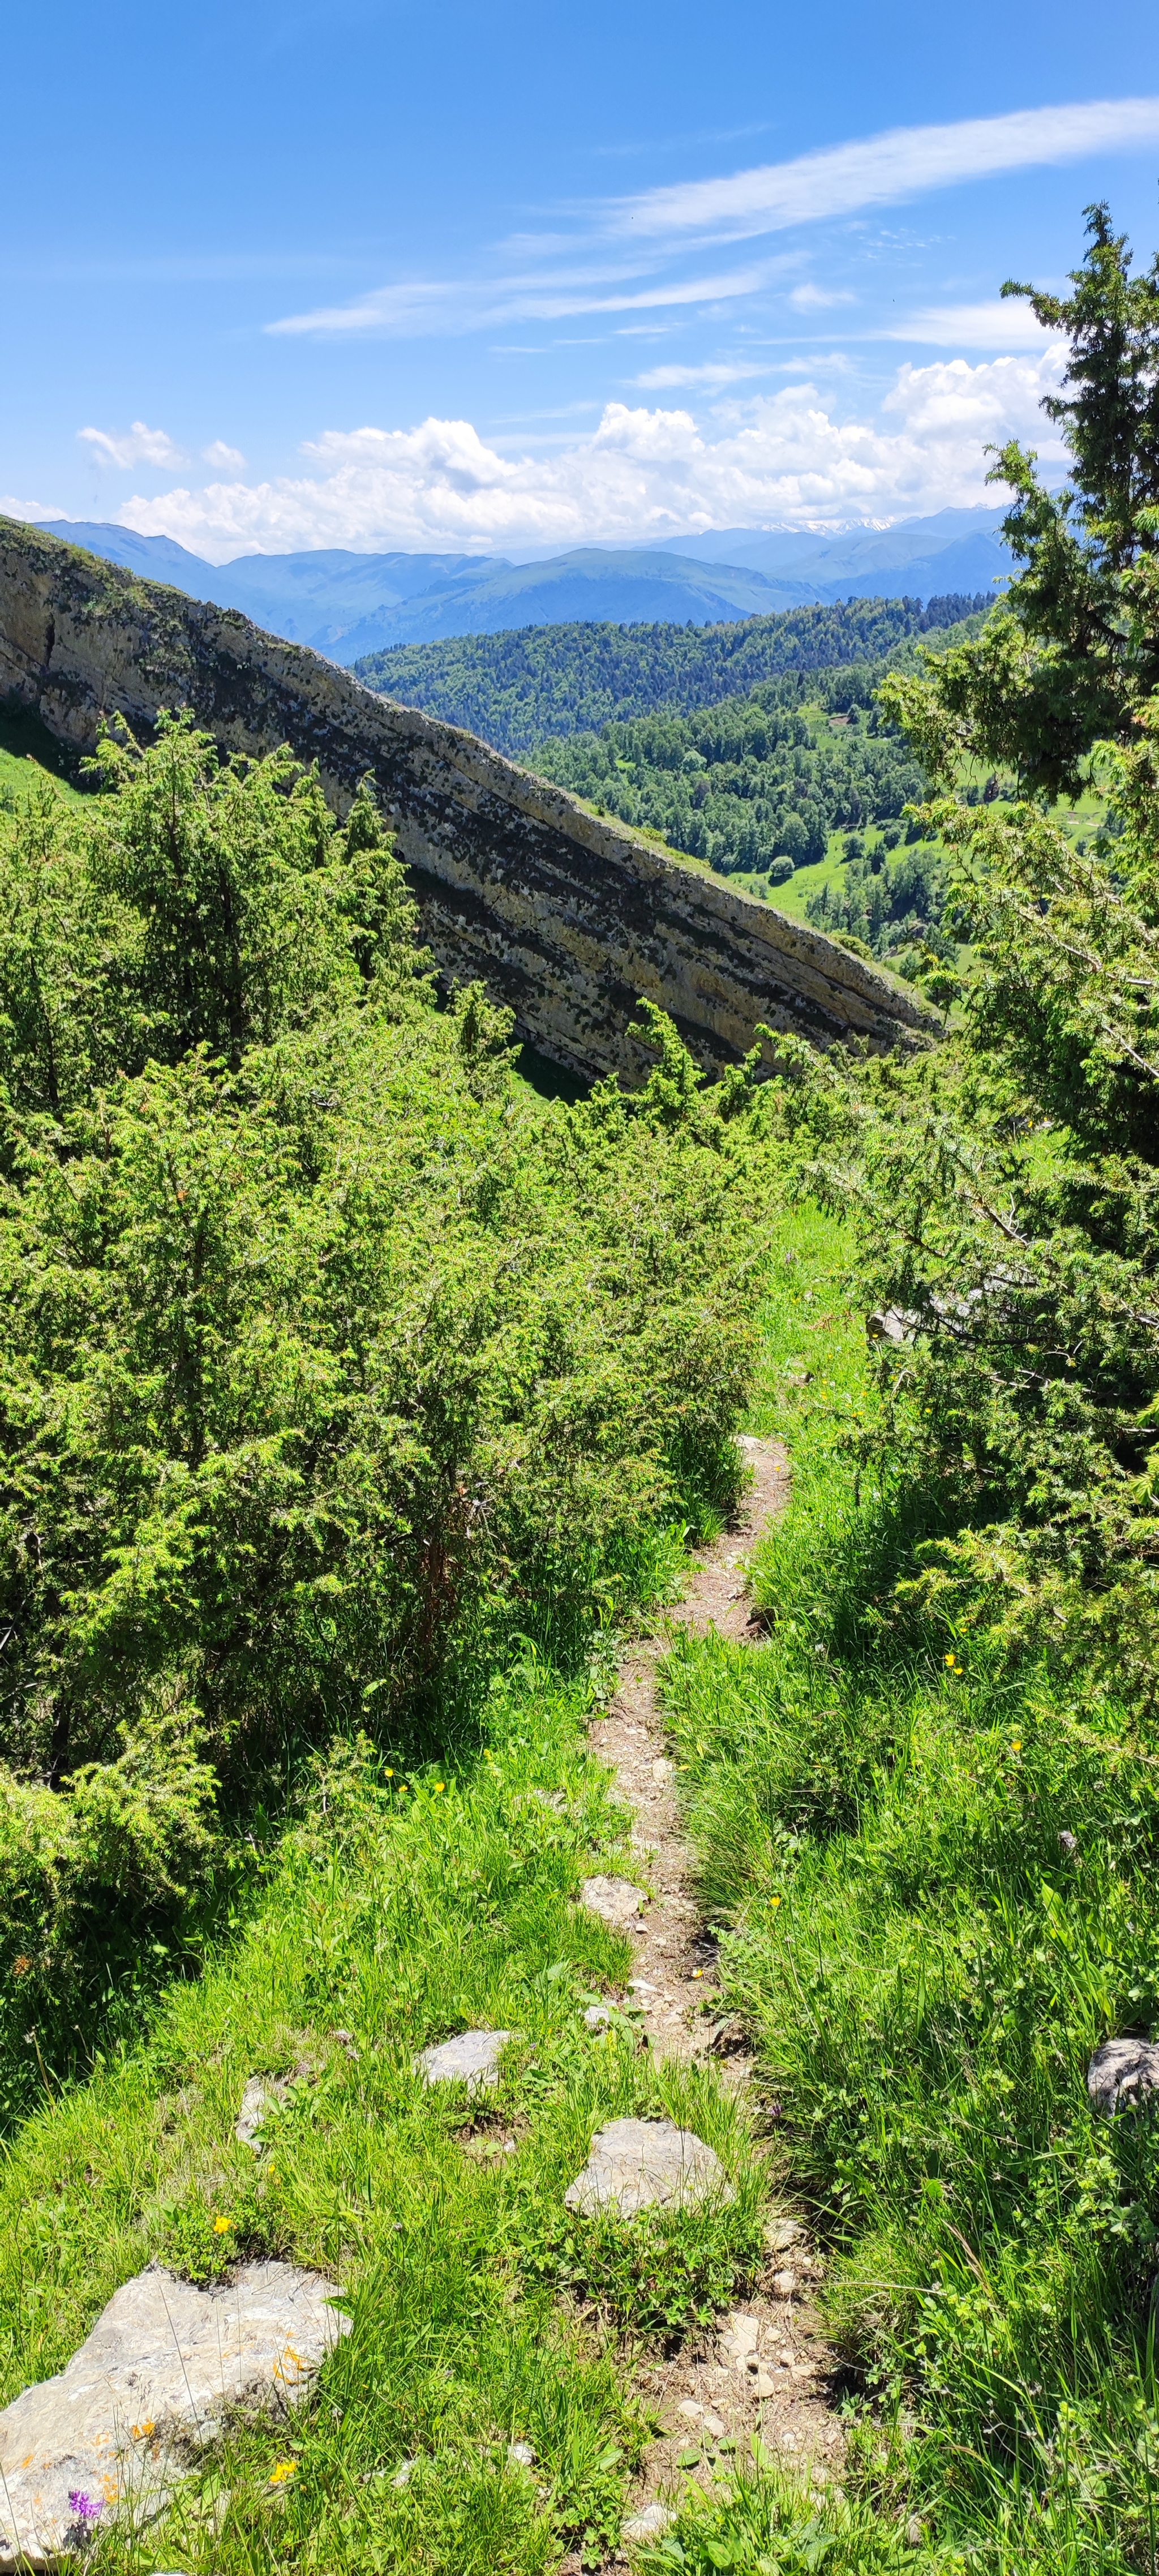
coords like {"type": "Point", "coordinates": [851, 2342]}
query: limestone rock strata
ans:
{"type": "Point", "coordinates": [567, 918]}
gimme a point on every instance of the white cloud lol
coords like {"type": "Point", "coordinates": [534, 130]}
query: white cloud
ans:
{"type": "Point", "coordinates": [887, 168]}
{"type": "Point", "coordinates": [815, 299]}
{"type": "Point", "coordinates": [780, 458]}
{"type": "Point", "coordinates": [139, 445]}
{"type": "Point", "coordinates": [217, 453]}
{"type": "Point", "coordinates": [614, 260]}
{"type": "Point", "coordinates": [28, 511]}
{"type": "Point", "coordinates": [467, 304]}
{"type": "Point", "coordinates": [1005, 323]}
{"type": "Point", "coordinates": [715, 373]}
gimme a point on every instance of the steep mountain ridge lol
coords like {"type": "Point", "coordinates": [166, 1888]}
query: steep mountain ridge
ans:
{"type": "Point", "coordinates": [567, 919]}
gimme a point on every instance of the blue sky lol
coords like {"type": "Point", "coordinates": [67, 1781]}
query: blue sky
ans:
{"type": "Point", "coordinates": [503, 280]}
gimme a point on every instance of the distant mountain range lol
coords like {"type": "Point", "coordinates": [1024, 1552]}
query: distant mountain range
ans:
{"type": "Point", "coordinates": [347, 605]}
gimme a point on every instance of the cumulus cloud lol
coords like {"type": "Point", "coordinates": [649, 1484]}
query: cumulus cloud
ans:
{"type": "Point", "coordinates": [775, 459]}
{"type": "Point", "coordinates": [217, 453]}
{"type": "Point", "coordinates": [12, 507]}
{"type": "Point", "coordinates": [139, 445]}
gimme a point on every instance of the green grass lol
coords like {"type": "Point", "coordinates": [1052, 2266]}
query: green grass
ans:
{"type": "Point", "coordinates": [481, 2313]}
{"type": "Point", "coordinates": [24, 739]}
{"type": "Point", "coordinates": [926, 1968]}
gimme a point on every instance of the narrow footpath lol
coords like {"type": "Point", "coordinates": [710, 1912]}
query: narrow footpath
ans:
{"type": "Point", "coordinates": [768, 2368]}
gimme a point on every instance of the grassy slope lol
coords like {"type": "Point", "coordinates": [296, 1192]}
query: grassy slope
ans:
{"type": "Point", "coordinates": [399, 1913]}
{"type": "Point", "coordinates": [925, 1970]}
{"type": "Point", "coordinates": [926, 1966]}
{"type": "Point", "coordinates": [23, 739]}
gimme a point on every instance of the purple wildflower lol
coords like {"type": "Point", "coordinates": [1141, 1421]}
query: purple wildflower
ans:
{"type": "Point", "coordinates": [83, 2505]}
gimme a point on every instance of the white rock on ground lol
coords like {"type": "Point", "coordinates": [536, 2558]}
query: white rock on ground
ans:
{"type": "Point", "coordinates": [262, 2094]}
{"type": "Point", "coordinates": [154, 2379]}
{"type": "Point", "coordinates": [615, 1900]}
{"type": "Point", "coordinates": [1122, 2073]}
{"type": "Point", "coordinates": [648, 2524]}
{"type": "Point", "coordinates": [647, 2164]}
{"type": "Point", "coordinates": [596, 2017]}
{"type": "Point", "coordinates": [471, 2059]}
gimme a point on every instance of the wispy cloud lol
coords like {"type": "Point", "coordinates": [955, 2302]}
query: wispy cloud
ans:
{"type": "Point", "coordinates": [622, 253]}
{"type": "Point", "coordinates": [885, 169]}
{"type": "Point", "coordinates": [217, 453]}
{"type": "Point", "coordinates": [1004, 324]}
{"type": "Point", "coordinates": [718, 372]}
{"type": "Point", "coordinates": [809, 298]}
{"type": "Point", "coordinates": [139, 445]}
{"type": "Point", "coordinates": [469, 304]}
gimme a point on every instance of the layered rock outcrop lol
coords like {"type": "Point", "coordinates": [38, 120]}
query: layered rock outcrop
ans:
{"type": "Point", "coordinates": [567, 918]}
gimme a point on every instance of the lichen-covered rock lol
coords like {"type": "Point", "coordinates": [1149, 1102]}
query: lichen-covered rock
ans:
{"type": "Point", "coordinates": [472, 2058]}
{"type": "Point", "coordinates": [1122, 2074]}
{"type": "Point", "coordinates": [615, 1900]}
{"type": "Point", "coordinates": [109, 2436]}
{"type": "Point", "coordinates": [647, 2164]}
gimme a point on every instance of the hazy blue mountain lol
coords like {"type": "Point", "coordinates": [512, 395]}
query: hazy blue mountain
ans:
{"type": "Point", "coordinates": [158, 558]}
{"type": "Point", "coordinates": [627, 587]}
{"type": "Point", "coordinates": [877, 557]}
{"type": "Point", "coordinates": [348, 605]}
{"type": "Point", "coordinates": [310, 598]}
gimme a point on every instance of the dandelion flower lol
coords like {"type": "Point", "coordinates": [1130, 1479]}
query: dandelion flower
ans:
{"type": "Point", "coordinates": [440, 1785]}
{"type": "Point", "coordinates": [282, 2470]}
{"type": "Point", "coordinates": [221, 2226]}
{"type": "Point", "coordinates": [950, 1661]}
{"type": "Point", "coordinates": [774, 1900]}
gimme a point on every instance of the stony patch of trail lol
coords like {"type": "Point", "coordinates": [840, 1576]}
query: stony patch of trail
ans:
{"type": "Point", "coordinates": [768, 2367]}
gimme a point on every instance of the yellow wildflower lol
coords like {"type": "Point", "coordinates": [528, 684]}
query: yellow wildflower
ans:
{"type": "Point", "coordinates": [221, 2226]}
{"type": "Point", "coordinates": [282, 2470]}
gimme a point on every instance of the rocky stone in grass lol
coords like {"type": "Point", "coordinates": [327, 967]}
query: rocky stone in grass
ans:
{"type": "Point", "coordinates": [1122, 2074]}
{"type": "Point", "coordinates": [615, 1900]}
{"type": "Point", "coordinates": [262, 2094]}
{"type": "Point", "coordinates": [649, 2524]}
{"type": "Point", "coordinates": [471, 2059]}
{"type": "Point", "coordinates": [597, 2017]}
{"type": "Point", "coordinates": [647, 2164]}
{"type": "Point", "coordinates": [110, 2436]}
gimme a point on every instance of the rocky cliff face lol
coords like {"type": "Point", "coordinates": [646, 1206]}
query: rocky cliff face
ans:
{"type": "Point", "coordinates": [567, 918]}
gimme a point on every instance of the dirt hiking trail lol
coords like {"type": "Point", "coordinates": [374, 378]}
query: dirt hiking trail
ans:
{"type": "Point", "coordinates": [767, 2368]}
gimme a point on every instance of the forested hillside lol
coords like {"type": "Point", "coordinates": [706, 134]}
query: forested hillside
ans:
{"type": "Point", "coordinates": [757, 783]}
{"type": "Point", "coordinates": [515, 688]}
